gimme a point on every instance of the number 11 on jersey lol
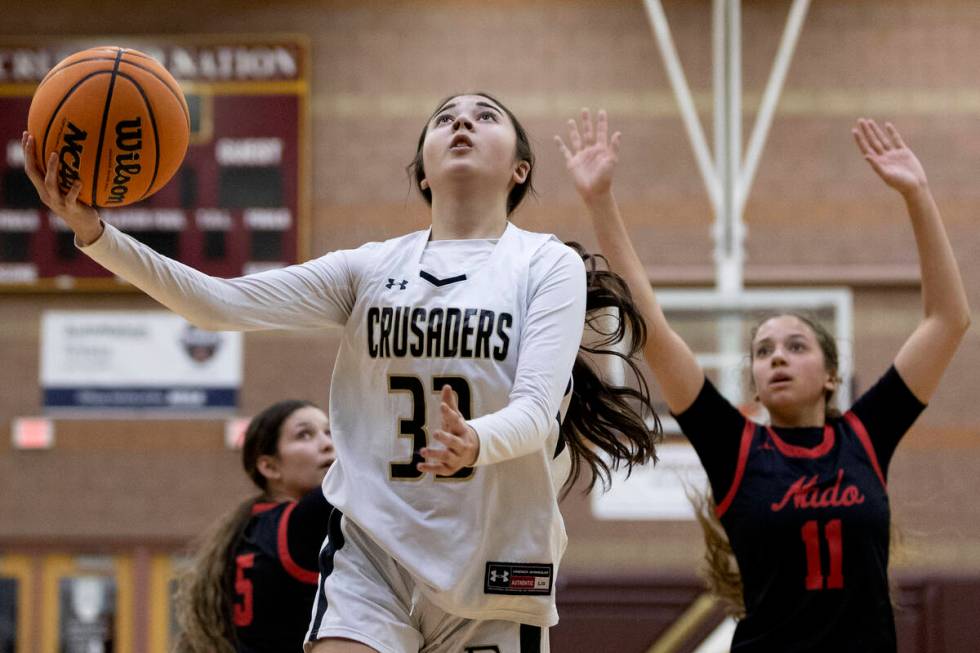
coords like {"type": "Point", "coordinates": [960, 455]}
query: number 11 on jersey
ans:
{"type": "Point", "coordinates": [811, 539]}
{"type": "Point", "coordinates": [414, 427]}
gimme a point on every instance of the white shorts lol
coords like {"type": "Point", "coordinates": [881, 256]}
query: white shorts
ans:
{"type": "Point", "coordinates": [365, 596]}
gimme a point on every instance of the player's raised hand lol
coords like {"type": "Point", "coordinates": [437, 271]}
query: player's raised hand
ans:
{"type": "Point", "coordinates": [460, 445]}
{"type": "Point", "coordinates": [590, 154]}
{"type": "Point", "coordinates": [80, 218]}
{"type": "Point", "coordinates": [888, 155]}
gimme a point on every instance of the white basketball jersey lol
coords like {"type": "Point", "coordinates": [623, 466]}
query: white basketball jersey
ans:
{"type": "Point", "coordinates": [485, 543]}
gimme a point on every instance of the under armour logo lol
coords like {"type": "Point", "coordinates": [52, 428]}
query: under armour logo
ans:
{"type": "Point", "coordinates": [392, 283]}
{"type": "Point", "coordinates": [518, 578]}
{"type": "Point", "coordinates": [502, 576]}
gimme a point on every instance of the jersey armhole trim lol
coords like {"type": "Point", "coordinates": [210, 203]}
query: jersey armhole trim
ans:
{"type": "Point", "coordinates": [743, 455]}
{"type": "Point", "coordinates": [862, 435]}
{"type": "Point", "coordinates": [282, 544]}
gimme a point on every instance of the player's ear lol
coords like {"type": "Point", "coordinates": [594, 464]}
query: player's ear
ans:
{"type": "Point", "coordinates": [521, 171]}
{"type": "Point", "coordinates": [269, 467]}
{"type": "Point", "coordinates": [830, 384]}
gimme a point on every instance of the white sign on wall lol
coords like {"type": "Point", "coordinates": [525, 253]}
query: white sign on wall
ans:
{"type": "Point", "coordinates": [655, 492]}
{"type": "Point", "coordinates": [146, 360]}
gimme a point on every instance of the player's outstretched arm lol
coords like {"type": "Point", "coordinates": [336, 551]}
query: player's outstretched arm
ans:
{"type": "Point", "coordinates": [80, 218]}
{"type": "Point", "coordinates": [308, 295]}
{"type": "Point", "coordinates": [591, 156]}
{"type": "Point", "coordinates": [925, 355]}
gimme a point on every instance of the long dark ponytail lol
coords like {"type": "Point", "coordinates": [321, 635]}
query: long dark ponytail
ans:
{"type": "Point", "coordinates": [204, 591]}
{"type": "Point", "coordinates": [605, 427]}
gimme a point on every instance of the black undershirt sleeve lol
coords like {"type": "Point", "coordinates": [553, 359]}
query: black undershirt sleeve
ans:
{"type": "Point", "coordinates": [307, 529]}
{"type": "Point", "coordinates": [714, 428]}
{"type": "Point", "coordinates": [887, 409]}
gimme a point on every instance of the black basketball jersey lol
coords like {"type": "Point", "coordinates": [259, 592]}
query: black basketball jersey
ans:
{"type": "Point", "coordinates": [810, 529]}
{"type": "Point", "coordinates": [808, 518]}
{"type": "Point", "coordinates": [275, 577]}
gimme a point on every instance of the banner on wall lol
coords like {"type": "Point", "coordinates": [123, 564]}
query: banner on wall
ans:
{"type": "Point", "coordinates": [129, 360]}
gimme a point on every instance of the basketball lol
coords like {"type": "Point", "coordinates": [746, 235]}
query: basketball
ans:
{"type": "Point", "coordinates": [117, 120]}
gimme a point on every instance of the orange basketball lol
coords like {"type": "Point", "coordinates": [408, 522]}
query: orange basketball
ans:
{"type": "Point", "coordinates": [118, 121]}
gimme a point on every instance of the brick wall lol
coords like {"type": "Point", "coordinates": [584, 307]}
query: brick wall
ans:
{"type": "Point", "coordinates": [380, 67]}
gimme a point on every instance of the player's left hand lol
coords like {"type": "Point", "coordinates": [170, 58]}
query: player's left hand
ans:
{"type": "Point", "coordinates": [889, 156]}
{"type": "Point", "coordinates": [460, 444]}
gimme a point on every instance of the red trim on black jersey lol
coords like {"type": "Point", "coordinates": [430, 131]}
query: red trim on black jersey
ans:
{"type": "Point", "coordinates": [795, 451]}
{"type": "Point", "coordinates": [862, 435]}
{"type": "Point", "coordinates": [263, 506]}
{"type": "Point", "coordinates": [743, 456]}
{"type": "Point", "coordinates": [282, 542]}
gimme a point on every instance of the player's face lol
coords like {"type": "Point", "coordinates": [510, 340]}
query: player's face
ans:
{"type": "Point", "coordinates": [788, 366]}
{"type": "Point", "coordinates": [305, 451]}
{"type": "Point", "coordinates": [471, 138]}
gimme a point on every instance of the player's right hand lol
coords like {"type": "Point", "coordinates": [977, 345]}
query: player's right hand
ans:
{"type": "Point", "coordinates": [80, 218]}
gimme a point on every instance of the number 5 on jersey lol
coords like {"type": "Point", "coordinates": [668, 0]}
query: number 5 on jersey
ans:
{"type": "Point", "coordinates": [242, 612]}
{"type": "Point", "coordinates": [414, 427]}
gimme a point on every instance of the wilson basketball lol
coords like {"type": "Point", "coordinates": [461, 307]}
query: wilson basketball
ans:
{"type": "Point", "coordinates": [117, 120]}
